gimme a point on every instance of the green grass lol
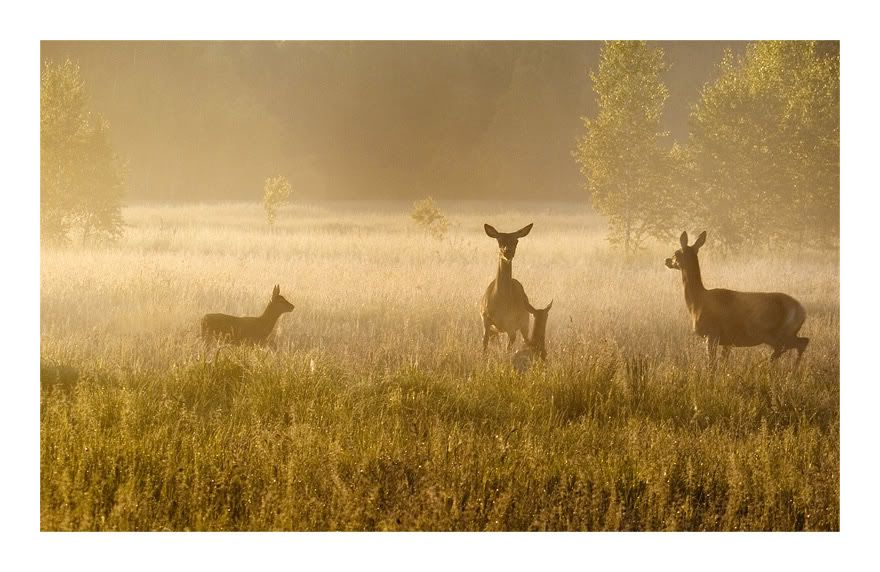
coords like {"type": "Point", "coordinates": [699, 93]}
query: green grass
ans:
{"type": "Point", "coordinates": [376, 409]}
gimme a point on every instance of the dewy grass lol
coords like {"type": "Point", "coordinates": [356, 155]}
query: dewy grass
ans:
{"type": "Point", "coordinates": [376, 410]}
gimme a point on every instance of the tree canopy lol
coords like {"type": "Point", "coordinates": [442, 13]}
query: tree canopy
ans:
{"type": "Point", "coordinates": [81, 178]}
{"type": "Point", "coordinates": [621, 154]}
{"type": "Point", "coordinates": [761, 163]}
{"type": "Point", "coordinates": [765, 146]}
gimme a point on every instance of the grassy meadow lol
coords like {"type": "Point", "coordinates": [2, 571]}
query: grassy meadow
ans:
{"type": "Point", "coordinates": [375, 408]}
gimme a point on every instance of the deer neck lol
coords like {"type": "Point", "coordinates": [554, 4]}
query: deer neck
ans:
{"type": "Point", "coordinates": [505, 273]}
{"type": "Point", "coordinates": [537, 339]}
{"type": "Point", "coordinates": [693, 286]}
{"type": "Point", "coordinates": [270, 316]}
{"type": "Point", "coordinates": [537, 343]}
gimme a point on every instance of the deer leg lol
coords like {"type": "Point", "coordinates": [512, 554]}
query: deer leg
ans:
{"type": "Point", "coordinates": [511, 338]}
{"type": "Point", "coordinates": [777, 351]}
{"type": "Point", "coordinates": [524, 330]}
{"type": "Point", "coordinates": [711, 348]}
{"type": "Point", "coordinates": [217, 351]}
{"type": "Point", "coordinates": [801, 346]}
{"type": "Point", "coordinates": [725, 352]}
{"type": "Point", "coordinates": [487, 332]}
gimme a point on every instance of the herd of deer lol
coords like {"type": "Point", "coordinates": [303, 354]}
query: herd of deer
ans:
{"type": "Point", "coordinates": [723, 317]}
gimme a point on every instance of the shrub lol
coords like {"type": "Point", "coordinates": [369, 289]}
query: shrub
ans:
{"type": "Point", "coordinates": [276, 191]}
{"type": "Point", "coordinates": [427, 214]}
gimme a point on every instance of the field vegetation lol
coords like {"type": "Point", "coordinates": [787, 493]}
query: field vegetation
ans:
{"type": "Point", "coordinates": [374, 408]}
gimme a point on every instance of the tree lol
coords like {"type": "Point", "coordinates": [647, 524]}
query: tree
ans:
{"type": "Point", "coordinates": [427, 214]}
{"type": "Point", "coordinates": [82, 181]}
{"type": "Point", "coordinates": [764, 145]}
{"type": "Point", "coordinates": [620, 155]}
{"type": "Point", "coordinates": [276, 191]}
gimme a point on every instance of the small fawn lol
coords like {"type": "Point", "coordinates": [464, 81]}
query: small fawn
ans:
{"type": "Point", "coordinates": [739, 319]}
{"type": "Point", "coordinates": [536, 345]}
{"type": "Point", "coordinates": [246, 329]}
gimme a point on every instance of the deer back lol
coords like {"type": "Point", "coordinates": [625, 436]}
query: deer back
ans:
{"type": "Point", "coordinates": [747, 318]}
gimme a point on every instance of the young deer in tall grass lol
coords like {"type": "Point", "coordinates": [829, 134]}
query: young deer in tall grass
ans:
{"type": "Point", "coordinates": [246, 329]}
{"type": "Point", "coordinates": [738, 319]}
{"type": "Point", "coordinates": [536, 345]}
{"type": "Point", "coordinates": [505, 306]}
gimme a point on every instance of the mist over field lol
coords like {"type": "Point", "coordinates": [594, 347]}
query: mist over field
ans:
{"type": "Point", "coordinates": [182, 179]}
{"type": "Point", "coordinates": [357, 120]}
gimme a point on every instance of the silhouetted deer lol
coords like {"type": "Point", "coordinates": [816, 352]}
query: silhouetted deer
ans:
{"type": "Point", "coordinates": [505, 306]}
{"type": "Point", "coordinates": [739, 319]}
{"type": "Point", "coordinates": [247, 329]}
{"type": "Point", "coordinates": [536, 345]}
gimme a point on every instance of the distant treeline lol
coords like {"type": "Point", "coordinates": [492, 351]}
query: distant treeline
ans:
{"type": "Point", "coordinates": [392, 120]}
{"type": "Point", "coordinates": [742, 139]}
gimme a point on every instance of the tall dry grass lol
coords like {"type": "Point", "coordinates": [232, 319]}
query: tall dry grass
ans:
{"type": "Point", "coordinates": [377, 410]}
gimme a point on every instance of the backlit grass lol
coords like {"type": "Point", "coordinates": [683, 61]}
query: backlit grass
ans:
{"type": "Point", "coordinates": [375, 409]}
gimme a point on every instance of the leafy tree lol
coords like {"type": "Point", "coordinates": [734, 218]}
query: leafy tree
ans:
{"type": "Point", "coordinates": [765, 145]}
{"type": "Point", "coordinates": [427, 214]}
{"type": "Point", "coordinates": [276, 191]}
{"type": "Point", "coordinates": [81, 178]}
{"type": "Point", "coordinates": [621, 156]}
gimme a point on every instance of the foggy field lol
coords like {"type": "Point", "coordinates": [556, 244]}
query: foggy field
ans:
{"type": "Point", "coordinates": [376, 410]}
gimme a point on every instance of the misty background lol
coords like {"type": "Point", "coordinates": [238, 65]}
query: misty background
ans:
{"type": "Point", "coordinates": [203, 121]}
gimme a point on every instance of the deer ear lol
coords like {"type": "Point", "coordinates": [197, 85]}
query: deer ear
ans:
{"type": "Point", "coordinates": [550, 305]}
{"type": "Point", "coordinates": [524, 231]}
{"type": "Point", "coordinates": [683, 239]}
{"type": "Point", "coordinates": [701, 240]}
{"type": "Point", "coordinates": [277, 290]}
{"type": "Point", "coordinates": [490, 230]}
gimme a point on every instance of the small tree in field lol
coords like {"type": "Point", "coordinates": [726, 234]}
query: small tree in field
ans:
{"type": "Point", "coordinates": [620, 155]}
{"type": "Point", "coordinates": [276, 191]}
{"type": "Point", "coordinates": [82, 181]}
{"type": "Point", "coordinates": [765, 146]}
{"type": "Point", "coordinates": [427, 214]}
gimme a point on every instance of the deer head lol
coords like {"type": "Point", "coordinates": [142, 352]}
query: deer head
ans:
{"type": "Point", "coordinates": [278, 302]}
{"type": "Point", "coordinates": [507, 240]}
{"type": "Point", "coordinates": [539, 329]}
{"type": "Point", "coordinates": [540, 315]}
{"type": "Point", "coordinates": [686, 257]}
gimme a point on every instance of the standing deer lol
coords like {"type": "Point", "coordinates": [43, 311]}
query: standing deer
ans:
{"type": "Point", "coordinates": [246, 329]}
{"type": "Point", "coordinates": [536, 345]}
{"type": "Point", "coordinates": [739, 319]}
{"type": "Point", "coordinates": [505, 306]}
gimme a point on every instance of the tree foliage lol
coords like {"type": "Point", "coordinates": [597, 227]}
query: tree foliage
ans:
{"type": "Point", "coordinates": [761, 164]}
{"type": "Point", "coordinates": [276, 192]}
{"type": "Point", "coordinates": [620, 155]}
{"type": "Point", "coordinates": [81, 178]}
{"type": "Point", "coordinates": [427, 214]}
{"type": "Point", "coordinates": [764, 146]}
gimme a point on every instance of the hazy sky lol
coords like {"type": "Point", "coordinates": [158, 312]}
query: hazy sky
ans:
{"type": "Point", "coordinates": [490, 120]}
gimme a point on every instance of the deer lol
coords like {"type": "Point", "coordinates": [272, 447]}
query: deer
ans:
{"type": "Point", "coordinates": [505, 306]}
{"type": "Point", "coordinates": [737, 319]}
{"type": "Point", "coordinates": [536, 346]}
{"type": "Point", "coordinates": [247, 329]}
